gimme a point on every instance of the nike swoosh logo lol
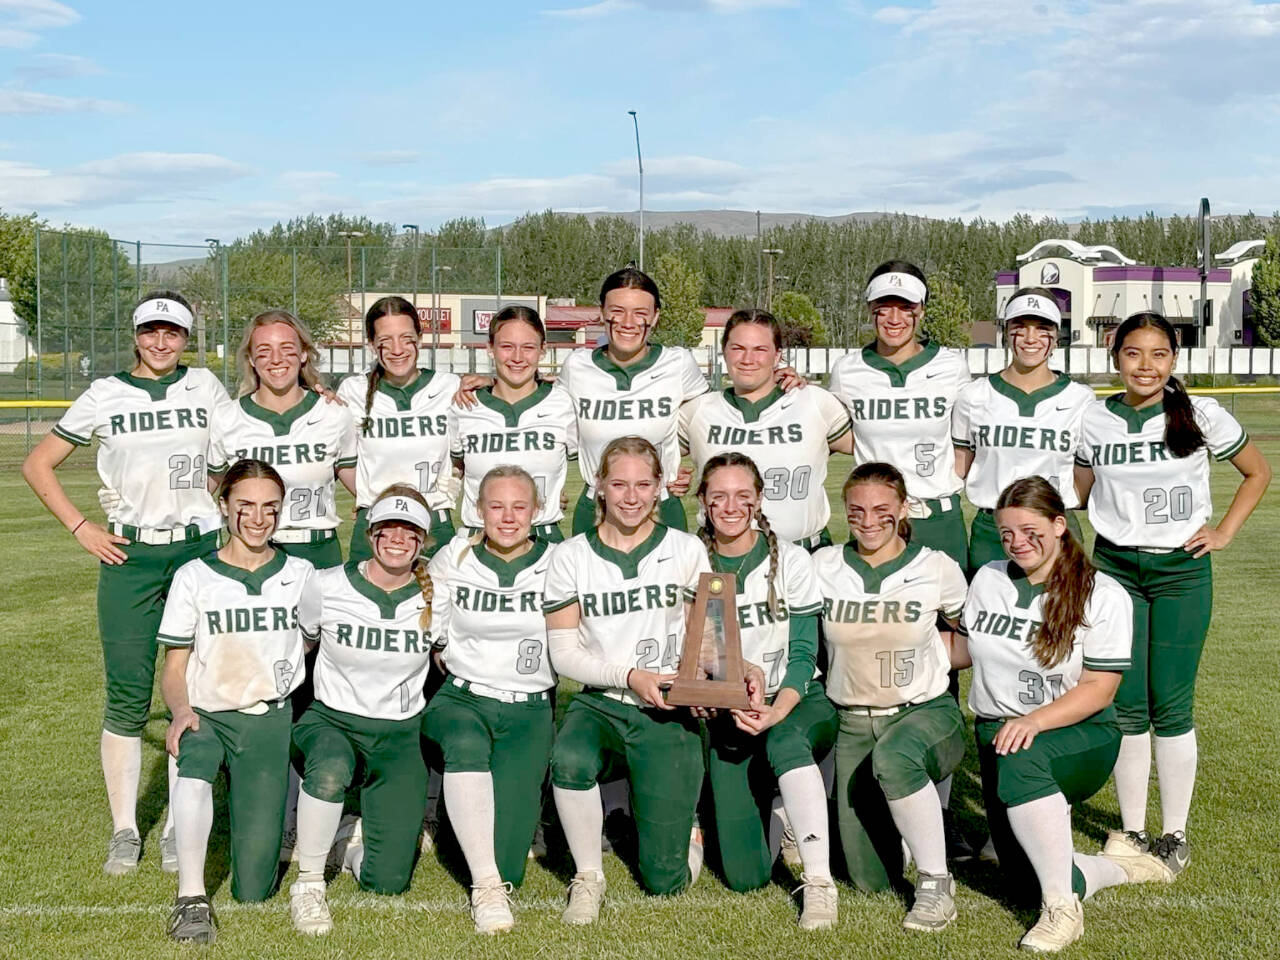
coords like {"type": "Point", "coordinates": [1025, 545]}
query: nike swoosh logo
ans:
{"type": "Point", "coordinates": [907, 580]}
{"type": "Point", "coordinates": [539, 416]}
{"type": "Point", "coordinates": [1067, 407]}
{"type": "Point", "coordinates": [930, 376]}
{"type": "Point", "coordinates": [311, 423]}
{"type": "Point", "coordinates": [662, 559]}
{"type": "Point", "coordinates": [190, 386]}
{"type": "Point", "coordinates": [285, 583]}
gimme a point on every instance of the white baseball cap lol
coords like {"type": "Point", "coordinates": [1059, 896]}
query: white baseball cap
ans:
{"type": "Point", "coordinates": [162, 309]}
{"type": "Point", "coordinates": [903, 286]}
{"type": "Point", "coordinates": [400, 508]}
{"type": "Point", "coordinates": [1033, 305]}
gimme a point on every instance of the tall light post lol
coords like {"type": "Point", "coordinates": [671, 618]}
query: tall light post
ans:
{"type": "Point", "coordinates": [216, 244]}
{"type": "Point", "coordinates": [640, 166]}
{"type": "Point", "coordinates": [436, 270]}
{"type": "Point", "coordinates": [772, 253]}
{"type": "Point", "coordinates": [414, 228]}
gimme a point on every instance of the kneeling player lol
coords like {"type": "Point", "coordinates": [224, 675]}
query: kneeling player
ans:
{"type": "Point", "coordinates": [778, 604]}
{"type": "Point", "coordinates": [234, 624]}
{"type": "Point", "coordinates": [900, 730]}
{"type": "Point", "coordinates": [373, 659]}
{"type": "Point", "coordinates": [1048, 638]}
{"type": "Point", "coordinates": [492, 717]}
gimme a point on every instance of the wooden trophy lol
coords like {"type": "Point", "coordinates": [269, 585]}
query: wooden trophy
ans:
{"type": "Point", "coordinates": [711, 672]}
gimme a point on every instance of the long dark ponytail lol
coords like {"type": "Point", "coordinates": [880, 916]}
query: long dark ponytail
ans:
{"type": "Point", "coordinates": [1182, 435]}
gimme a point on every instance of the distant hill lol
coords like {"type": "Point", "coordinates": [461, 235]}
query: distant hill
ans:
{"type": "Point", "coordinates": [730, 223]}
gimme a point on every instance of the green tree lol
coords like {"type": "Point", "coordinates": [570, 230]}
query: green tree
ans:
{"type": "Point", "coordinates": [1266, 293]}
{"type": "Point", "coordinates": [801, 321]}
{"type": "Point", "coordinates": [18, 263]}
{"type": "Point", "coordinates": [682, 317]}
{"type": "Point", "coordinates": [948, 316]}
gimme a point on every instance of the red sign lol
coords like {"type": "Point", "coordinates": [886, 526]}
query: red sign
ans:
{"type": "Point", "coordinates": [443, 314]}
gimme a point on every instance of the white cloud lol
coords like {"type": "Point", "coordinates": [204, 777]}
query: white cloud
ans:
{"type": "Point", "coordinates": [31, 103]}
{"type": "Point", "coordinates": [57, 66]}
{"type": "Point", "coordinates": [21, 21]}
{"type": "Point", "coordinates": [122, 179]}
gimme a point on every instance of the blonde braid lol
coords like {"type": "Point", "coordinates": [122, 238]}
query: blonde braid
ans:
{"type": "Point", "coordinates": [771, 539]}
{"type": "Point", "coordinates": [428, 591]}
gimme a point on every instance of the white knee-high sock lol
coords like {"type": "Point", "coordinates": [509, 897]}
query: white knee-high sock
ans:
{"type": "Point", "coordinates": [918, 817]}
{"type": "Point", "coordinates": [1176, 759]}
{"type": "Point", "coordinates": [173, 779]}
{"type": "Point", "coordinates": [317, 823]}
{"type": "Point", "coordinates": [804, 796]}
{"type": "Point", "coordinates": [122, 768]}
{"type": "Point", "coordinates": [1133, 774]}
{"type": "Point", "coordinates": [1099, 873]}
{"type": "Point", "coordinates": [192, 820]}
{"type": "Point", "coordinates": [469, 799]}
{"type": "Point", "coordinates": [944, 792]}
{"type": "Point", "coordinates": [582, 819]}
{"type": "Point", "coordinates": [1043, 828]}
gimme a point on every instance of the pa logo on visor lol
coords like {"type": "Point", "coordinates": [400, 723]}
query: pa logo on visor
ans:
{"type": "Point", "coordinates": [895, 280]}
{"type": "Point", "coordinates": [1034, 303]}
{"type": "Point", "coordinates": [402, 504]}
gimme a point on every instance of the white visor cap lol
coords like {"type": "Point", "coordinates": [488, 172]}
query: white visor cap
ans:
{"type": "Point", "coordinates": [400, 508]}
{"type": "Point", "coordinates": [161, 309]}
{"type": "Point", "coordinates": [1033, 305]}
{"type": "Point", "coordinates": [903, 286]}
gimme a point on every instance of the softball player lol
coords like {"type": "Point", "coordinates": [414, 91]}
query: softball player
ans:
{"type": "Point", "coordinates": [234, 625]}
{"type": "Point", "coordinates": [1144, 471]}
{"type": "Point", "coordinates": [1021, 422]}
{"type": "Point", "coordinates": [777, 603]}
{"type": "Point", "coordinates": [615, 600]}
{"type": "Point", "coordinates": [1048, 639]}
{"type": "Point", "coordinates": [492, 717]}
{"type": "Point", "coordinates": [402, 435]}
{"type": "Point", "coordinates": [152, 424]}
{"type": "Point", "coordinates": [788, 435]}
{"type": "Point", "coordinates": [280, 420]}
{"type": "Point", "coordinates": [374, 654]}
{"type": "Point", "coordinates": [900, 730]}
{"type": "Point", "coordinates": [519, 419]}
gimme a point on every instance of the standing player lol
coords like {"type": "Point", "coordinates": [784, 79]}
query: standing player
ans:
{"type": "Point", "coordinates": [373, 658]}
{"type": "Point", "coordinates": [1144, 470]}
{"type": "Point", "coordinates": [900, 730]}
{"type": "Point", "coordinates": [1021, 422]}
{"type": "Point", "coordinates": [152, 424]}
{"type": "Point", "coordinates": [492, 717]}
{"type": "Point", "coordinates": [402, 434]}
{"type": "Point", "coordinates": [788, 435]}
{"type": "Point", "coordinates": [1048, 639]}
{"type": "Point", "coordinates": [280, 420]}
{"type": "Point", "coordinates": [778, 604]}
{"type": "Point", "coordinates": [616, 601]}
{"type": "Point", "coordinates": [518, 419]}
{"type": "Point", "coordinates": [234, 624]}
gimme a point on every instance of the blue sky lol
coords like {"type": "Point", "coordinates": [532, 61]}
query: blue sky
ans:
{"type": "Point", "coordinates": [174, 122]}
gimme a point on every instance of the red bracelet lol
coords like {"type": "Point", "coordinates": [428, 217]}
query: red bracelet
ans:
{"type": "Point", "coordinates": [78, 525]}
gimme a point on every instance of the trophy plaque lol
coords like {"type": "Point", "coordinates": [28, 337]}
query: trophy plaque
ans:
{"type": "Point", "coordinates": [711, 672]}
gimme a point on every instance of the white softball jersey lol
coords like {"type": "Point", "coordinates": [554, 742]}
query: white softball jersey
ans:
{"type": "Point", "coordinates": [153, 443]}
{"type": "Point", "coordinates": [880, 624]}
{"type": "Point", "coordinates": [374, 655]}
{"type": "Point", "coordinates": [305, 444]}
{"type": "Point", "coordinates": [631, 604]}
{"type": "Point", "coordinates": [642, 399]}
{"type": "Point", "coordinates": [538, 433]}
{"type": "Point", "coordinates": [1003, 614]}
{"type": "Point", "coordinates": [902, 413]}
{"type": "Point", "coordinates": [788, 435]}
{"type": "Point", "coordinates": [245, 629]}
{"type": "Point", "coordinates": [405, 436]}
{"type": "Point", "coordinates": [1014, 434]}
{"type": "Point", "coordinates": [1144, 496]}
{"type": "Point", "coordinates": [487, 615]}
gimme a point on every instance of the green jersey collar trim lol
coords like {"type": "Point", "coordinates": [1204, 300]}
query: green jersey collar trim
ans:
{"type": "Point", "coordinates": [507, 570]}
{"type": "Point", "coordinates": [280, 423]}
{"type": "Point", "coordinates": [253, 580]}
{"type": "Point", "coordinates": [628, 563]}
{"type": "Point", "coordinates": [1027, 591]}
{"type": "Point", "coordinates": [751, 409]}
{"type": "Point", "coordinates": [403, 396]}
{"type": "Point", "coordinates": [1028, 401]}
{"type": "Point", "coordinates": [1134, 417]}
{"type": "Point", "coordinates": [386, 601]}
{"type": "Point", "coordinates": [623, 376]}
{"type": "Point", "coordinates": [155, 389]}
{"type": "Point", "coordinates": [874, 577]}
{"type": "Point", "coordinates": [897, 372]}
{"type": "Point", "coordinates": [511, 412]}
{"type": "Point", "coordinates": [742, 566]}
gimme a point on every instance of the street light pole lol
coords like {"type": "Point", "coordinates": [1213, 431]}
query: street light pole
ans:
{"type": "Point", "coordinates": [347, 235]}
{"type": "Point", "coordinates": [772, 253]}
{"type": "Point", "coordinates": [414, 228]}
{"type": "Point", "coordinates": [640, 166]}
{"type": "Point", "coordinates": [226, 334]}
{"type": "Point", "coordinates": [435, 309]}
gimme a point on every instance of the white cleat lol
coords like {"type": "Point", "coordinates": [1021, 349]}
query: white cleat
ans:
{"type": "Point", "coordinates": [348, 846]}
{"type": "Point", "coordinates": [820, 908]}
{"type": "Point", "coordinates": [1061, 924]}
{"type": "Point", "coordinates": [1130, 850]}
{"type": "Point", "coordinates": [934, 908]}
{"type": "Point", "coordinates": [586, 895]}
{"type": "Point", "coordinates": [123, 853]}
{"type": "Point", "coordinates": [697, 853]}
{"type": "Point", "coordinates": [429, 828]}
{"type": "Point", "coordinates": [491, 906]}
{"type": "Point", "coordinates": [169, 852]}
{"type": "Point", "coordinates": [309, 909]}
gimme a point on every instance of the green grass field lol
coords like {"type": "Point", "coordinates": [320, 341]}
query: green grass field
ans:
{"type": "Point", "coordinates": [56, 902]}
